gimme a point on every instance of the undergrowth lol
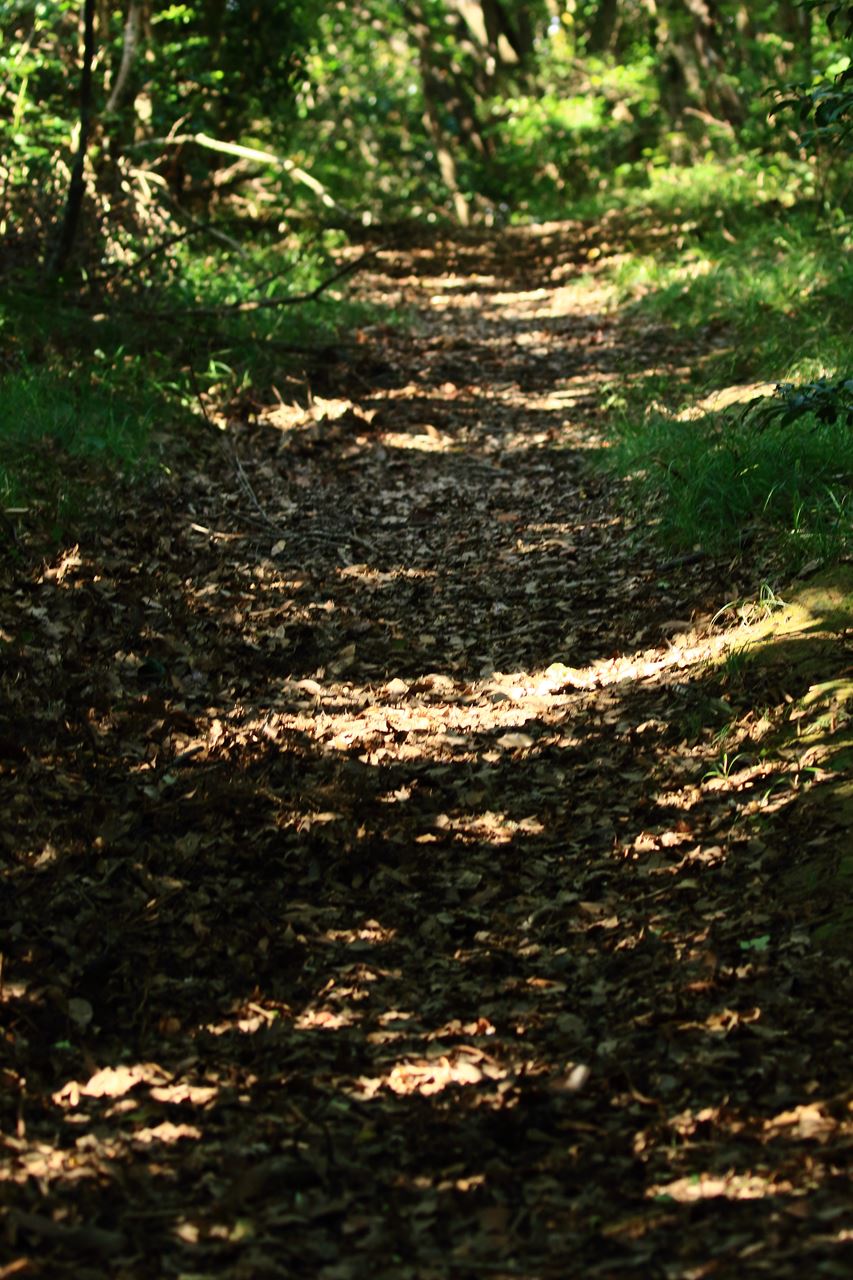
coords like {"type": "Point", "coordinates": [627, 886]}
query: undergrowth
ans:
{"type": "Point", "coordinates": [717, 483]}
{"type": "Point", "coordinates": [54, 419]}
{"type": "Point", "coordinates": [756, 296]}
{"type": "Point", "coordinates": [740, 264]}
{"type": "Point", "coordinates": [99, 378]}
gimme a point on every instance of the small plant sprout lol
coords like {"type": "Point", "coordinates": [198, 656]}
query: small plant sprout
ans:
{"type": "Point", "coordinates": [725, 766]}
{"type": "Point", "coordinates": [735, 663]}
{"type": "Point", "coordinates": [769, 600]}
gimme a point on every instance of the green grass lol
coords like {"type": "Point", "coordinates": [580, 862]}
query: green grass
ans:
{"type": "Point", "coordinates": [718, 483]}
{"type": "Point", "coordinates": [96, 386]}
{"type": "Point", "coordinates": [756, 295]}
{"type": "Point", "coordinates": [777, 283]}
{"type": "Point", "coordinates": [54, 422]}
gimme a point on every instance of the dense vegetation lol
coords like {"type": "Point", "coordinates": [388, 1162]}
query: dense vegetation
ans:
{"type": "Point", "coordinates": [175, 173]}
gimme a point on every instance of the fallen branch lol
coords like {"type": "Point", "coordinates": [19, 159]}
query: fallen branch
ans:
{"type": "Point", "coordinates": [677, 562]}
{"type": "Point", "coordinates": [85, 1236]}
{"type": "Point", "coordinates": [279, 300]}
{"type": "Point", "coordinates": [253, 153]}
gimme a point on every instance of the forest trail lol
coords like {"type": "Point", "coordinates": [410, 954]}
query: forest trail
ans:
{"type": "Point", "coordinates": [373, 911]}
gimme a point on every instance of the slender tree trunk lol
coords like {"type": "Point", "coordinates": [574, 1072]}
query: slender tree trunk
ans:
{"type": "Point", "coordinates": [77, 185]}
{"type": "Point", "coordinates": [438, 86]}
{"type": "Point", "coordinates": [441, 142]}
{"type": "Point", "coordinates": [214, 11]}
{"type": "Point", "coordinates": [446, 162]}
{"type": "Point", "coordinates": [512, 22]}
{"type": "Point", "coordinates": [693, 63]}
{"type": "Point", "coordinates": [132, 28]}
{"type": "Point", "coordinates": [603, 27]}
{"type": "Point", "coordinates": [796, 23]}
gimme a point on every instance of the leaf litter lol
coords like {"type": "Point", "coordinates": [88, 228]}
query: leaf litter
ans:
{"type": "Point", "coordinates": [377, 895]}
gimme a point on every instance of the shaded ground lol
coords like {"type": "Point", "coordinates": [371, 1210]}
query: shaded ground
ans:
{"type": "Point", "coordinates": [377, 899]}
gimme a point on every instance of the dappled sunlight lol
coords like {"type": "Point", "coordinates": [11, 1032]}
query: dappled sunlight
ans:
{"type": "Point", "coordinates": [326, 1020]}
{"type": "Point", "coordinates": [465, 1067]}
{"type": "Point", "coordinates": [403, 840]}
{"type": "Point", "coordinates": [740, 394]}
{"type": "Point", "coordinates": [710, 1186]}
{"type": "Point", "coordinates": [430, 441]}
{"type": "Point", "coordinates": [426, 787]}
{"type": "Point", "coordinates": [453, 283]}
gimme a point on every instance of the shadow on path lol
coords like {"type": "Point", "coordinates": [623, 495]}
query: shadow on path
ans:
{"type": "Point", "coordinates": [374, 896]}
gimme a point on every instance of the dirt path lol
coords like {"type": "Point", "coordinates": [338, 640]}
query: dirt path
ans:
{"type": "Point", "coordinates": [369, 909]}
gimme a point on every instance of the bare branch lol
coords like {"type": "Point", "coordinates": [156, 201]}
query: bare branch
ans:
{"type": "Point", "coordinates": [280, 300]}
{"type": "Point", "coordinates": [251, 153]}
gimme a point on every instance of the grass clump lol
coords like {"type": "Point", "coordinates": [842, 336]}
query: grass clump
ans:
{"type": "Point", "coordinates": [56, 425]}
{"type": "Point", "coordinates": [779, 288]}
{"type": "Point", "coordinates": [717, 482]}
{"type": "Point", "coordinates": [105, 377]}
{"type": "Point", "coordinates": [752, 299]}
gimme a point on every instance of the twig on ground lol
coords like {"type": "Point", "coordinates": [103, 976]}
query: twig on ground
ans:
{"type": "Point", "coordinates": [690, 557]}
{"type": "Point", "coordinates": [84, 1236]}
{"type": "Point", "coordinates": [280, 300]}
{"type": "Point", "coordinates": [321, 535]}
{"type": "Point", "coordinates": [246, 486]}
{"type": "Point", "coordinates": [231, 454]}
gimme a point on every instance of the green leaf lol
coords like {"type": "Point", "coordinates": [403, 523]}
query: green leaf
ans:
{"type": "Point", "coordinates": [761, 943]}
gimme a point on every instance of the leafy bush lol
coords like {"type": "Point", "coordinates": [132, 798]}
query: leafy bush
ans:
{"type": "Point", "coordinates": [822, 400]}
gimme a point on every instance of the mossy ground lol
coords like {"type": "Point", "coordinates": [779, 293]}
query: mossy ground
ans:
{"type": "Point", "coordinates": [800, 648]}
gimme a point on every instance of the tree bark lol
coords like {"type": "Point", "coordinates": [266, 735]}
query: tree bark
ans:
{"type": "Point", "coordinates": [447, 92]}
{"type": "Point", "coordinates": [517, 30]}
{"type": "Point", "coordinates": [77, 184]}
{"type": "Point", "coordinates": [796, 23]}
{"type": "Point", "coordinates": [693, 63]}
{"type": "Point", "coordinates": [603, 27]}
{"type": "Point", "coordinates": [132, 28]}
{"type": "Point", "coordinates": [443, 150]}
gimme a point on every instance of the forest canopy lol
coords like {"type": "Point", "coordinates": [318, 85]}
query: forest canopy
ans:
{"type": "Point", "coordinates": [438, 107]}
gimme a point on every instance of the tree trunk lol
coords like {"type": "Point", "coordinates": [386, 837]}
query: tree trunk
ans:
{"type": "Point", "coordinates": [516, 31]}
{"type": "Point", "coordinates": [132, 29]}
{"type": "Point", "coordinates": [450, 97]}
{"type": "Point", "coordinates": [693, 64]}
{"type": "Point", "coordinates": [796, 23]}
{"type": "Point", "coordinates": [440, 140]}
{"type": "Point", "coordinates": [77, 184]}
{"type": "Point", "coordinates": [603, 28]}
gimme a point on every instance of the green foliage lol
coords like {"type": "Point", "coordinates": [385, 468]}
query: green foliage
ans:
{"type": "Point", "coordinates": [821, 108]}
{"type": "Point", "coordinates": [37, 69]}
{"type": "Point", "coordinates": [552, 149]}
{"type": "Point", "coordinates": [428, 110]}
{"type": "Point", "coordinates": [341, 90]}
{"type": "Point", "coordinates": [720, 486]}
{"type": "Point", "coordinates": [207, 66]}
{"type": "Point", "coordinates": [104, 388]}
{"type": "Point", "coordinates": [823, 400]}
{"type": "Point", "coordinates": [776, 284]}
{"type": "Point", "coordinates": [360, 109]}
{"type": "Point", "coordinates": [717, 484]}
{"type": "Point", "coordinates": [773, 290]}
{"type": "Point", "coordinates": [59, 429]}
